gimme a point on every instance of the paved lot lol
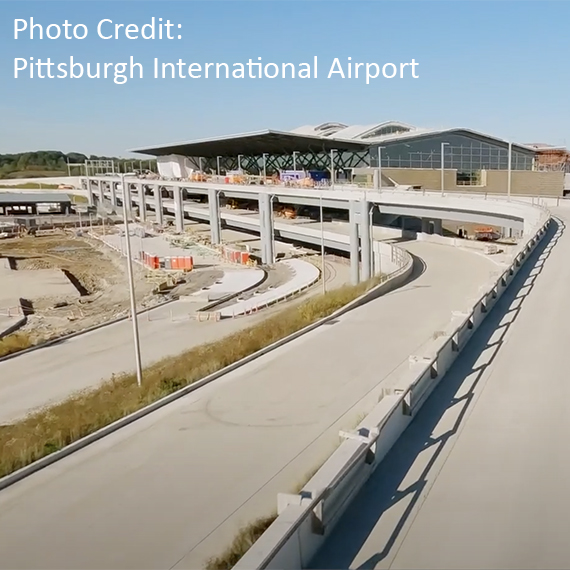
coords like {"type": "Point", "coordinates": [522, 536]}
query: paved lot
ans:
{"type": "Point", "coordinates": [171, 490]}
{"type": "Point", "coordinates": [480, 478]}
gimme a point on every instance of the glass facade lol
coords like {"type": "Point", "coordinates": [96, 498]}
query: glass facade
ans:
{"type": "Point", "coordinates": [465, 153]}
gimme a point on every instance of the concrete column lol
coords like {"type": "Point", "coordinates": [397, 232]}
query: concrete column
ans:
{"type": "Point", "coordinates": [266, 228]}
{"type": "Point", "coordinates": [113, 191]}
{"type": "Point", "coordinates": [438, 227]}
{"type": "Point", "coordinates": [90, 195]}
{"type": "Point", "coordinates": [365, 240]}
{"type": "Point", "coordinates": [425, 225]}
{"type": "Point", "coordinates": [142, 202]}
{"type": "Point", "coordinates": [354, 245]}
{"type": "Point", "coordinates": [101, 192]}
{"type": "Point", "coordinates": [158, 205]}
{"type": "Point", "coordinates": [178, 211]}
{"type": "Point", "coordinates": [214, 211]}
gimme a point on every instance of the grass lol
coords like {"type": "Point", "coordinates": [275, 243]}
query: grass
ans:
{"type": "Point", "coordinates": [31, 186]}
{"type": "Point", "coordinates": [34, 174]}
{"type": "Point", "coordinates": [79, 199]}
{"type": "Point", "coordinates": [14, 343]}
{"type": "Point", "coordinates": [51, 429]}
{"type": "Point", "coordinates": [242, 542]}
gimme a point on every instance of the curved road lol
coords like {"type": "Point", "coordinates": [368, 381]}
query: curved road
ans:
{"type": "Point", "coordinates": [480, 477]}
{"type": "Point", "coordinates": [170, 490]}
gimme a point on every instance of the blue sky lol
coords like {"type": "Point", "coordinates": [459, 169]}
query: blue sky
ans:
{"type": "Point", "coordinates": [498, 67]}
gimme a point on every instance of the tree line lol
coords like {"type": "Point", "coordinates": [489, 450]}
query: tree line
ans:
{"type": "Point", "coordinates": [54, 161]}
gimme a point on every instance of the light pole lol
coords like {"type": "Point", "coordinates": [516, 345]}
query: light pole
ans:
{"type": "Point", "coordinates": [200, 163]}
{"type": "Point", "coordinates": [509, 176]}
{"type": "Point", "coordinates": [443, 145]}
{"type": "Point", "coordinates": [264, 165]}
{"type": "Point", "coordinates": [239, 162]}
{"type": "Point", "coordinates": [218, 163]}
{"type": "Point", "coordinates": [272, 222]}
{"type": "Point", "coordinates": [295, 160]}
{"type": "Point", "coordinates": [380, 167]}
{"type": "Point", "coordinates": [322, 242]}
{"type": "Point", "coordinates": [134, 315]}
{"type": "Point", "coordinates": [332, 168]}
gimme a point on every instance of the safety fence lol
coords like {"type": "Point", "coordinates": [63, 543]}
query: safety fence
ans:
{"type": "Point", "coordinates": [232, 255]}
{"type": "Point", "coordinates": [9, 312]}
{"type": "Point", "coordinates": [305, 520]}
{"type": "Point", "coordinates": [171, 263]}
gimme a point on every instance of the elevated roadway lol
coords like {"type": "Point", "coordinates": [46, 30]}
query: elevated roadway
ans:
{"type": "Point", "coordinates": [480, 477]}
{"type": "Point", "coordinates": [171, 490]}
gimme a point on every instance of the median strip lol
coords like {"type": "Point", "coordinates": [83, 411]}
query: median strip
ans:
{"type": "Point", "coordinates": [52, 429]}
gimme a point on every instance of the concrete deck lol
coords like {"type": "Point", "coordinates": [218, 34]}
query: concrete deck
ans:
{"type": "Point", "coordinates": [480, 478]}
{"type": "Point", "coordinates": [170, 490]}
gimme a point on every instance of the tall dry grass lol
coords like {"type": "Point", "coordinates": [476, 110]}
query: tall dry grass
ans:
{"type": "Point", "coordinates": [242, 542]}
{"type": "Point", "coordinates": [14, 343]}
{"type": "Point", "coordinates": [49, 430]}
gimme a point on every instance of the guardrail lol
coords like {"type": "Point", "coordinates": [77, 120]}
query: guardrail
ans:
{"type": "Point", "coordinates": [306, 519]}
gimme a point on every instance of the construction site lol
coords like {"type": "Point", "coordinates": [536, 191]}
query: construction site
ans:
{"type": "Point", "coordinates": [63, 274]}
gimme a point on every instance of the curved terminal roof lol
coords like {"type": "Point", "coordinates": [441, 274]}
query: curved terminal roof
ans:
{"type": "Point", "coordinates": [311, 138]}
{"type": "Point", "coordinates": [255, 143]}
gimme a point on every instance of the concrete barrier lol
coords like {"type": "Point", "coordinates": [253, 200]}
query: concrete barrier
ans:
{"type": "Point", "coordinates": [305, 520]}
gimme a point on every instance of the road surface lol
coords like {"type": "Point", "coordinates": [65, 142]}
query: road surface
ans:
{"type": "Point", "coordinates": [480, 478]}
{"type": "Point", "coordinates": [170, 490]}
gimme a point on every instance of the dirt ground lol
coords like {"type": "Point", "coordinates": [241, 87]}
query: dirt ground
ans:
{"type": "Point", "coordinates": [98, 273]}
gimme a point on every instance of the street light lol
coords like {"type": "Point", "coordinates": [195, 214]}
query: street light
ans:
{"type": "Point", "coordinates": [332, 168]}
{"type": "Point", "coordinates": [200, 163]}
{"type": "Point", "coordinates": [443, 145]}
{"type": "Point", "coordinates": [295, 159]}
{"type": "Point", "coordinates": [264, 166]}
{"type": "Point", "coordinates": [509, 177]}
{"type": "Point", "coordinates": [272, 228]}
{"type": "Point", "coordinates": [218, 163]}
{"type": "Point", "coordinates": [322, 242]}
{"type": "Point", "coordinates": [239, 162]}
{"type": "Point", "coordinates": [134, 315]}
{"type": "Point", "coordinates": [380, 167]}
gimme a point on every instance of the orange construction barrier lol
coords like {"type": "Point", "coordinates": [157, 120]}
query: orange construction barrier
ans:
{"type": "Point", "coordinates": [244, 257]}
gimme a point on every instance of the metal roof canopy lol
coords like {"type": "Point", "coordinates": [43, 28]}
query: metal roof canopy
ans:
{"type": "Point", "coordinates": [33, 198]}
{"type": "Point", "coordinates": [254, 144]}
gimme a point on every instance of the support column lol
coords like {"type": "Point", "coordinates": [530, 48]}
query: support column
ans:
{"type": "Point", "coordinates": [214, 211]}
{"type": "Point", "coordinates": [158, 205]}
{"type": "Point", "coordinates": [354, 245]}
{"type": "Point", "coordinates": [365, 248]}
{"type": "Point", "coordinates": [90, 195]}
{"type": "Point", "coordinates": [142, 202]}
{"type": "Point", "coordinates": [438, 227]}
{"type": "Point", "coordinates": [113, 191]}
{"type": "Point", "coordinates": [266, 228]}
{"type": "Point", "coordinates": [101, 188]}
{"type": "Point", "coordinates": [425, 225]}
{"type": "Point", "coordinates": [178, 211]}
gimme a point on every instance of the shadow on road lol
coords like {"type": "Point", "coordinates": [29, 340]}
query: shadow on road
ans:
{"type": "Point", "coordinates": [384, 489]}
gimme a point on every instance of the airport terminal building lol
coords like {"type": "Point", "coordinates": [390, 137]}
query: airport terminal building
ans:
{"type": "Point", "coordinates": [407, 155]}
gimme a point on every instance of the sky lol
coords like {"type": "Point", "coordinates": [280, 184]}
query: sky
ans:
{"type": "Point", "coordinates": [499, 67]}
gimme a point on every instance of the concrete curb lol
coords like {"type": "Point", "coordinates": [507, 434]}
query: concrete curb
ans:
{"type": "Point", "coordinates": [69, 336]}
{"type": "Point", "coordinates": [396, 278]}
